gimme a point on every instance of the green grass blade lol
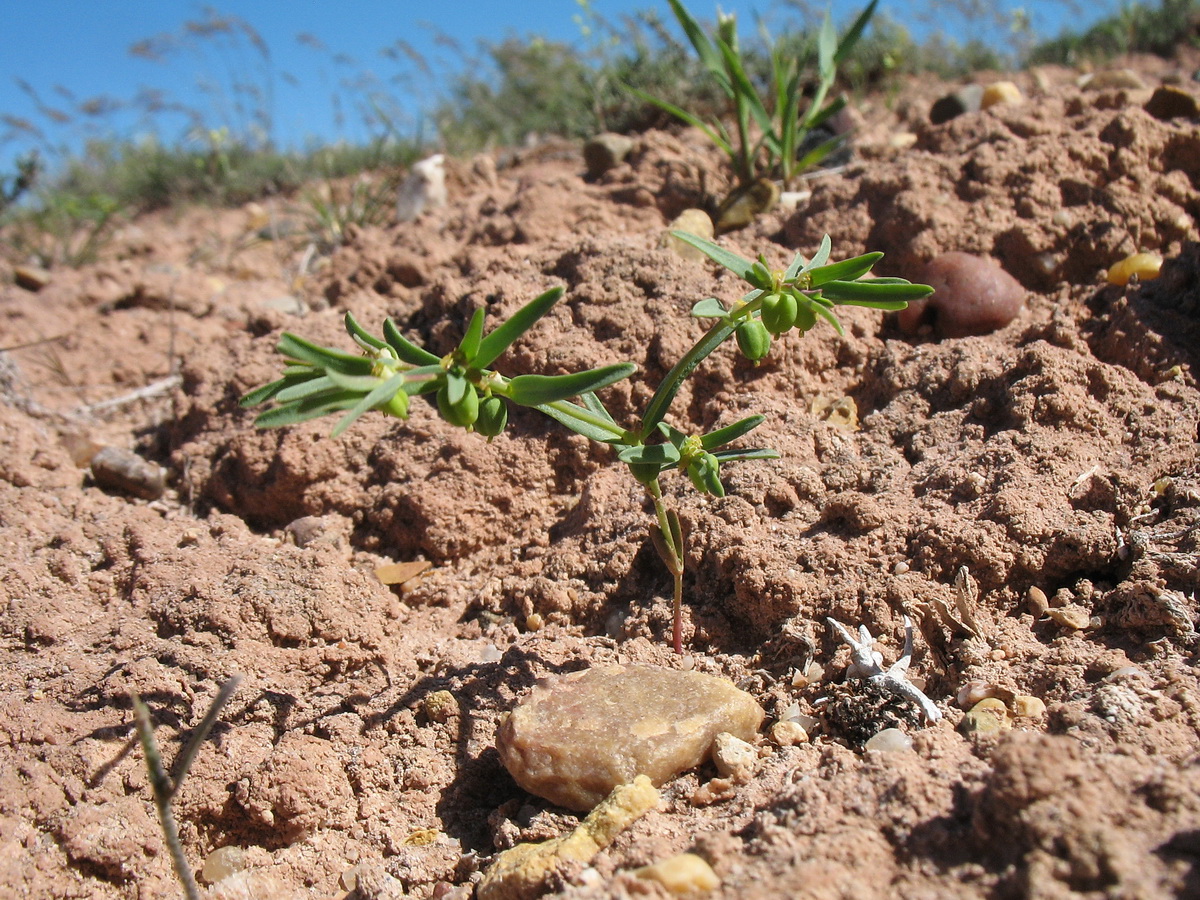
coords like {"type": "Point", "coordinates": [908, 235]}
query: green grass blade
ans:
{"type": "Point", "coordinates": [295, 347]}
{"type": "Point", "coordinates": [492, 346]}
{"type": "Point", "coordinates": [361, 334]}
{"type": "Point", "coordinates": [580, 421]}
{"type": "Point", "coordinates": [721, 140]}
{"type": "Point", "coordinates": [656, 411]}
{"type": "Point", "coordinates": [704, 48]}
{"type": "Point", "coordinates": [854, 33]}
{"type": "Point", "coordinates": [739, 265]}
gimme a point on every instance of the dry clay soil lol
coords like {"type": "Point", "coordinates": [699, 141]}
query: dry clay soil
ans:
{"type": "Point", "coordinates": [1058, 453]}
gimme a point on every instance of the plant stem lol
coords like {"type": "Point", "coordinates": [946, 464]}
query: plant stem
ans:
{"type": "Point", "coordinates": [673, 557]}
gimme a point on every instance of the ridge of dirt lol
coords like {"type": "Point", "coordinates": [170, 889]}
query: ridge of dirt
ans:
{"type": "Point", "coordinates": [1060, 453]}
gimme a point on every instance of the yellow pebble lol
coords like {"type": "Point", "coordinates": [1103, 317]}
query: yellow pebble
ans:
{"type": "Point", "coordinates": [1026, 707]}
{"type": "Point", "coordinates": [1145, 266]}
{"type": "Point", "coordinates": [684, 874]}
{"type": "Point", "coordinates": [1001, 93]}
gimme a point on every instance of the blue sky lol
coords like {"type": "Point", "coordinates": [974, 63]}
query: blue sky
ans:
{"type": "Point", "coordinates": [69, 51]}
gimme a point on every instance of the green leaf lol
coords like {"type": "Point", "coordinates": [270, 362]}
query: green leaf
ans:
{"type": "Point", "coordinates": [744, 90]}
{"type": "Point", "coordinates": [721, 140]}
{"type": "Point", "coordinates": [695, 34]}
{"type": "Point", "coordinates": [360, 383]}
{"type": "Point", "coordinates": [825, 313]}
{"type": "Point", "coordinates": [709, 308]}
{"type": "Point", "coordinates": [826, 50]}
{"type": "Point", "coordinates": [655, 454]}
{"type": "Point", "coordinates": [740, 266]}
{"type": "Point", "coordinates": [855, 32]}
{"type": "Point", "coordinates": [875, 296]}
{"type": "Point", "coordinates": [456, 387]}
{"type": "Point", "coordinates": [740, 455]}
{"type": "Point", "coordinates": [594, 404]}
{"type": "Point", "coordinates": [474, 335]}
{"type": "Point", "coordinates": [307, 388]}
{"type": "Point", "coordinates": [303, 410]}
{"type": "Point", "coordinates": [661, 401]}
{"type": "Point", "coordinates": [846, 270]}
{"type": "Point", "coordinates": [730, 433]}
{"type": "Point", "coordinates": [384, 392]}
{"type": "Point", "coordinates": [572, 416]}
{"type": "Point", "coordinates": [492, 346]}
{"type": "Point", "coordinates": [295, 347]}
{"type": "Point", "coordinates": [798, 265]}
{"type": "Point", "coordinates": [537, 390]}
{"type": "Point", "coordinates": [265, 393]}
{"type": "Point", "coordinates": [405, 349]}
{"type": "Point", "coordinates": [360, 334]}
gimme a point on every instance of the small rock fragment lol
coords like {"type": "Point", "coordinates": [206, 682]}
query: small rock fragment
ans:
{"type": "Point", "coordinates": [1071, 616]}
{"type": "Point", "coordinates": [986, 717]}
{"type": "Point", "coordinates": [966, 99]}
{"type": "Point", "coordinates": [788, 733]}
{"type": "Point", "coordinates": [1170, 102]}
{"type": "Point", "coordinates": [423, 189]}
{"type": "Point", "coordinates": [521, 872]}
{"type": "Point", "coordinates": [1000, 94]}
{"type": "Point", "coordinates": [1145, 266]}
{"type": "Point", "coordinates": [578, 736]}
{"type": "Point", "coordinates": [890, 740]}
{"type": "Point", "coordinates": [32, 278]}
{"type": "Point", "coordinates": [684, 874]}
{"type": "Point", "coordinates": [974, 691]}
{"type": "Point", "coordinates": [604, 152]}
{"type": "Point", "coordinates": [440, 706]}
{"type": "Point", "coordinates": [972, 295]}
{"type": "Point", "coordinates": [399, 573]}
{"type": "Point", "coordinates": [221, 863]}
{"type": "Point", "coordinates": [117, 469]}
{"type": "Point", "coordinates": [745, 204]}
{"type": "Point", "coordinates": [1026, 707]}
{"type": "Point", "coordinates": [1112, 79]}
{"type": "Point", "coordinates": [693, 221]}
{"type": "Point", "coordinates": [1038, 602]}
{"type": "Point", "coordinates": [734, 758]}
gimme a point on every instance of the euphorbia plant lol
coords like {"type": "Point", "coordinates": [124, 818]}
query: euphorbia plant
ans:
{"type": "Point", "coordinates": [320, 381]}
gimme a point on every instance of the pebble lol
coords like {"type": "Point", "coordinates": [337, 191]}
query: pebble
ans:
{"type": "Point", "coordinates": [221, 863]}
{"type": "Point", "coordinates": [1170, 102]}
{"type": "Point", "coordinates": [988, 716]}
{"type": "Point", "coordinates": [578, 736]}
{"type": "Point", "coordinates": [1071, 616]}
{"type": "Point", "coordinates": [522, 872]}
{"type": "Point", "coordinates": [402, 572]}
{"type": "Point", "coordinates": [734, 758]}
{"type": "Point", "coordinates": [1038, 602]}
{"type": "Point", "coordinates": [114, 468]}
{"type": "Point", "coordinates": [789, 201]}
{"type": "Point", "coordinates": [966, 99]}
{"type": "Point", "coordinates": [1146, 266]}
{"type": "Point", "coordinates": [1026, 707]}
{"type": "Point", "coordinates": [1002, 93]}
{"type": "Point", "coordinates": [693, 221]}
{"type": "Point", "coordinates": [440, 706]}
{"type": "Point", "coordinates": [890, 740]}
{"type": "Point", "coordinates": [746, 204]}
{"type": "Point", "coordinates": [1112, 79]}
{"type": "Point", "coordinates": [423, 189]}
{"type": "Point", "coordinates": [788, 733]}
{"type": "Point", "coordinates": [974, 691]}
{"type": "Point", "coordinates": [972, 295]}
{"type": "Point", "coordinates": [32, 278]}
{"type": "Point", "coordinates": [681, 875]}
{"type": "Point", "coordinates": [605, 151]}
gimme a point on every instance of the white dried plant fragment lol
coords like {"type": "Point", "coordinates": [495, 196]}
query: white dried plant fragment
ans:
{"type": "Point", "coordinates": [424, 188]}
{"type": "Point", "coordinates": [868, 665]}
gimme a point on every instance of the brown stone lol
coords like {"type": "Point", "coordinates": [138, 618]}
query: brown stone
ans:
{"type": "Point", "coordinates": [577, 737]}
{"type": "Point", "coordinates": [972, 295]}
{"type": "Point", "coordinates": [1170, 102]}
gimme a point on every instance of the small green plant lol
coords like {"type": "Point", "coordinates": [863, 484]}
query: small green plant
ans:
{"type": "Point", "coordinates": [164, 787]}
{"type": "Point", "coordinates": [320, 381]}
{"type": "Point", "coordinates": [64, 228]}
{"type": "Point", "coordinates": [334, 207]}
{"type": "Point", "coordinates": [770, 131]}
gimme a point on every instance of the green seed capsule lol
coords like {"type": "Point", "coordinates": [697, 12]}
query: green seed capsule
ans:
{"type": "Point", "coordinates": [464, 412]}
{"type": "Point", "coordinates": [644, 472]}
{"type": "Point", "coordinates": [753, 339]}
{"type": "Point", "coordinates": [805, 318]}
{"type": "Point", "coordinates": [493, 416]}
{"type": "Point", "coordinates": [705, 474]}
{"type": "Point", "coordinates": [397, 406]}
{"type": "Point", "coordinates": [779, 312]}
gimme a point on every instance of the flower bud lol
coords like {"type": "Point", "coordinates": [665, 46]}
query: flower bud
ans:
{"type": "Point", "coordinates": [397, 406]}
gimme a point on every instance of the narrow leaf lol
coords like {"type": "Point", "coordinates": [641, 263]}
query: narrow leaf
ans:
{"type": "Point", "coordinates": [360, 334]}
{"type": "Point", "coordinates": [855, 32]}
{"type": "Point", "coordinates": [264, 393]}
{"type": "Point", "coordinates": [699, 40]}
{"type": "Point", "coordinates": [709, 308]}
{"type": "Point", "coordinates": [739, 265]}
{"type": "Point", "coordinates": [827, 314]}
{"type": "Point", "coordinates": [307, 388]}
{"type": "Point", "coordinates": [846, 270]}
{"type": "Point", "coordinates": [492, 346]}
{"type": "Point", "coordinates": [295, 347]}
{"type": "Point", "coordinates": [595, 405]}
{"type": "Point", "coordinates": [361, 383]}
{"type": "Point", "coordinates": [456, 387]}
{"type": "Point", "coordinates": [471, 340]}
{"type": "Point", "coordinates": [721, 139]}
{"type": "Point", "coordinates": [537, 390]}
{"type": "Point", "coordinates": [652, 454]}
{"type": "Point", "coordinates": [568, 415]}
{"type": "Point", "coordinates": [739, 455]}
{"type": "Point", "coordinates": [381, 394]}
{"type": "Point", "coordinates": [878, 296]}
{"type": "Point", "coordinates": [303, 410]}
{"type": "Point", "coordinates": [406, 349]}
{"type": "Point", "coordinates": [730, 433]}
